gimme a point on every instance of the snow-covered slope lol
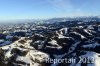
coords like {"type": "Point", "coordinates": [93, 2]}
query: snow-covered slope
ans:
{"type": "Point", "coordinates": [45, 47]}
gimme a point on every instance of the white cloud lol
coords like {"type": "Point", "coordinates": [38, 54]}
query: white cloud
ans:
{"type": "Point", "coordinates": [60, 4]}
{"type": "Point", "coordinates": [68, 8]}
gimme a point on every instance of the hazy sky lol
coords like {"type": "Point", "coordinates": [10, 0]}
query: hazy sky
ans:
{"type": "Point", "coordinates": [27, 9]}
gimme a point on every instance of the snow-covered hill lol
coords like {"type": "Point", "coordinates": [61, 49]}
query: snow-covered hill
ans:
{"type": "Point", "coordinates": [51, 47]}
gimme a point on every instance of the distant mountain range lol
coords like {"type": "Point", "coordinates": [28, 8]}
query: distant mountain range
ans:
{"type": "Point", "coordinates": [52, 20]}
